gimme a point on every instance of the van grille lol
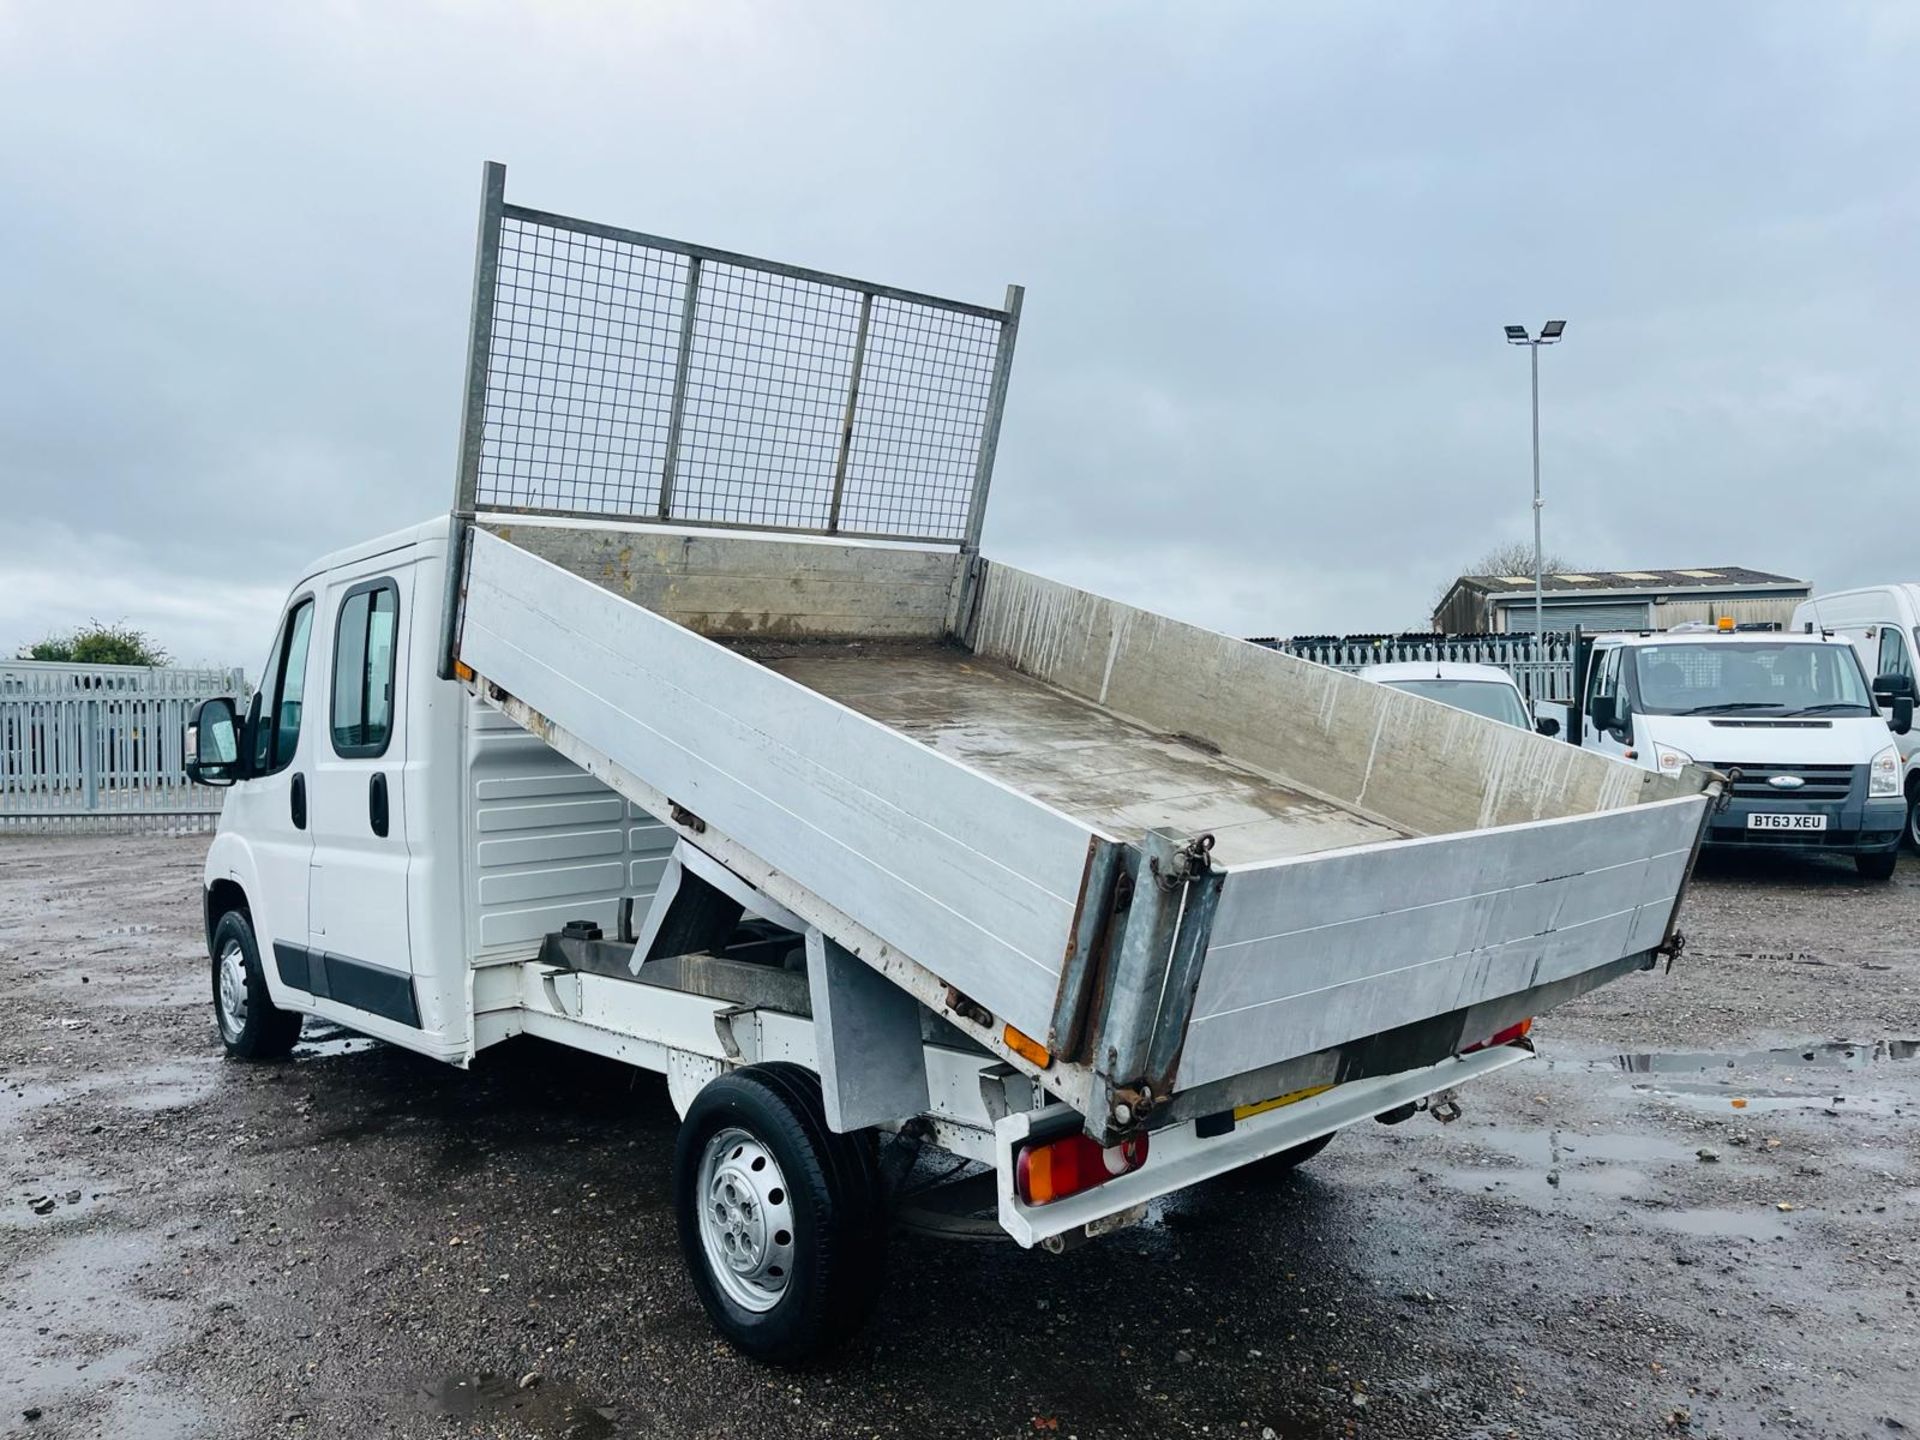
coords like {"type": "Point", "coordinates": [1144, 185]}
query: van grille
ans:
{"type": "Point", "coordinates": [1820, 782]}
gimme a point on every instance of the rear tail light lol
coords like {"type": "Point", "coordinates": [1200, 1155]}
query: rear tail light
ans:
{"type": "Point", "coordinates": [1505, 1037]}
{"type": "Point", "coordinates": [1059, 1168]}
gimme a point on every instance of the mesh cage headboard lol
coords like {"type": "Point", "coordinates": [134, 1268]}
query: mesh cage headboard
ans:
{"type": "Point", "coordinates": [616, 375]}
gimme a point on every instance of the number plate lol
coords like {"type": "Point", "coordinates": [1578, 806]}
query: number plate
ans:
{"type": "Point", "coordinates": [1786, 822]}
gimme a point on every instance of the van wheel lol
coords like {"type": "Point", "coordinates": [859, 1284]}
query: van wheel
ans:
{"type": "Point", "coordinates": [1287, 1161]}
{"type": "Point", "coordinates": [1913, 819]}
{"type": "Point", "coordinates": [782, 1222]}
{"type": "Point", "coordinates": [1877, 866]}
{"type": "Point", "coordinates": [252, 1027]}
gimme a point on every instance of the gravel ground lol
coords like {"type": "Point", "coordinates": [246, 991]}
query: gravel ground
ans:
{"type": "Point", "coordinates": [1695, 1215]}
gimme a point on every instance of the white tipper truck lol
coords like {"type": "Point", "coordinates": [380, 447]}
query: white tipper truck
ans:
{"type": "Point", "coordinates": [700, 735]}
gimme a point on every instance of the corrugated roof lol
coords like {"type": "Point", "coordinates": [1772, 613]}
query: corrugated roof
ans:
{"type": "Point", "coordinates": [1715, 577]}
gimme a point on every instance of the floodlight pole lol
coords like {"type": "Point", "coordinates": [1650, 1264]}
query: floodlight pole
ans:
{"type": "Point", "coordinates": [1539, 579]}
{"type": "Point", "coordinates": [1550, 334]}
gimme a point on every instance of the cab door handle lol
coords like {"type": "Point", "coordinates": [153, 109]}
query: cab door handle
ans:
{"type": "Point", "coordinates": [297, 802]}
{"type": "Point", "coordinates": [377, 802]}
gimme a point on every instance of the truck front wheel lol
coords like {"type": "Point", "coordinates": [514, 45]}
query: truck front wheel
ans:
{"type": "Point", "coordinates": [252, 1027]}
{"type": "Point", "coordinates": [1913, 817]}
{"type": "Point", "coordinates": [782, 1221]}
{"type": "Point", "coordinates": [1877, 866]}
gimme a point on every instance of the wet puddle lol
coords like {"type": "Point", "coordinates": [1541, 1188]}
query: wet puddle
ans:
{"type": "Point", "coordinates": [1548, 1166]}
{"type": "Point", "coordinates": [1711, 1224]}
{"type": "Point", "coordinates": [543, 1407]}
{"type": "Point", "coordinates": [1757, 1081]}
{"type": "Point", "coordinates": [1728, 1099]}
{"type": "Point", "coordinates": [1825, 1054]}
{"type": "Point", "coordinates": [1822, 1054]}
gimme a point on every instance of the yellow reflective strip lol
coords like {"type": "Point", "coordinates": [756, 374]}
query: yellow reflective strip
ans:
{"type": "Point", "coordinates": [1247, 1112]}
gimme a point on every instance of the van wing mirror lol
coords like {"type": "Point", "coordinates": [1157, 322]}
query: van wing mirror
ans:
{"type": "Point", "coordinates": [1547, 725]}
{"type": "Point", "coordinates": [1896, 693]}
{"type": "Point", "coordinates": [1600, 710]}
{"type": "Point", "coordinates": [213, 744]}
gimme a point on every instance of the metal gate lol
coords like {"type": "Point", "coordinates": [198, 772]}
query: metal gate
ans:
{"type": "Point", "coordinates": [1542, 668]}
{"type": "Point", "coordinates": [87, 747]}
{"type": "Point", "coordinates": [615, 375]}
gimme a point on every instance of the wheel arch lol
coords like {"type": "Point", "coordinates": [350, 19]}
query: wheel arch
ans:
{"type": "Point", "coordinates": [221, 897]}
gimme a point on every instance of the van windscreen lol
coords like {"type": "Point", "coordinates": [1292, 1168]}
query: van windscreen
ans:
{"type": "Point", "coordinates": [1708, 678]}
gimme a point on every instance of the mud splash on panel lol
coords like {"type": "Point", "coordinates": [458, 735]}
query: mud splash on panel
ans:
{"type": "Point", "coordinates": [320, 1039]}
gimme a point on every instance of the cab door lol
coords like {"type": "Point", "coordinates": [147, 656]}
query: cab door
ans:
{"type": "Point", "coordinates": [359, 958]}
{"type": "Point", "coordinates": [1603, 681]}
{"type": "Point", "coordinates": [1892, 657]}
{"type": "Point", "coordinates": [272, 807]}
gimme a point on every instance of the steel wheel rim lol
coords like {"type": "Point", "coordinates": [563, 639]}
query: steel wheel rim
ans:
{"type": "Point", "coordinates": [232, 990]}
{"type": "Point", "coordinates": [746, 1220]}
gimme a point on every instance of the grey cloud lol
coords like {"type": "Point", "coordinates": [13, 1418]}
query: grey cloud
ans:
{"type": "Point", "coordinates": [1268, 253]}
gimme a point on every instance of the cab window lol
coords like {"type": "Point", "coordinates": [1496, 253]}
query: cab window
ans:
{"type": "Point", "coordinates": [275, 718]}
{"type": "Point", "coordinates": [1606, 674]}
{"type": "Point", "coordinates": [363, 669]}
{"type": "Point", "coordinates": [1894, 659]}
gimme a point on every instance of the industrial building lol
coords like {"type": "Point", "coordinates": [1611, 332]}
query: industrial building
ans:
{"type": "Point", "coordinates": [1619, 600]}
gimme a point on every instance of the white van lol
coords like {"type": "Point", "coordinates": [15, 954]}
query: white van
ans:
{"type": "Point", "coordinates": [1883, 624]}
{"type": "Point", "coordinates": [1482, 689]}
{"type": "Point", "coordinates": [1793, 714]}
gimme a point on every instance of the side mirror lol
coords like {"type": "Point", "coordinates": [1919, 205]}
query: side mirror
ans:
{"type": "Point", "coordinates": [1547, 725]}
{"type": "Point", "coordinates": [1600, 710]}
{"type": "Point", "coordinates": [1896, 692]}
{"type": "Point", "coordinates": [213, 744]}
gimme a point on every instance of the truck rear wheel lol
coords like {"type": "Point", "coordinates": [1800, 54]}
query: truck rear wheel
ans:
{"type": "Point", "coordinates": [782, 1221]}
{"type": "Point", "coordinates": [1287, 1161]}
{"type": "Point", "coordinates": [1877, 866]}
{"type": "Point", "coordinates": [252, 1027]}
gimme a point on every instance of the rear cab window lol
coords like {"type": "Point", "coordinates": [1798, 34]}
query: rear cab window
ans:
{"type": "Point", "coordinates": [363, 669]}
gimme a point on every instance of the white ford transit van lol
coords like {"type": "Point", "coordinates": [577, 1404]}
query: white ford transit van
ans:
{"type": "Point", "coordinates": [1793, 714]}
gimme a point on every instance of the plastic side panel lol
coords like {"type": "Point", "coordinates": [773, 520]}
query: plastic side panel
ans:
{"type": "Point", "coordinates": [1328, 949]}
{"type": "Point", "coordinates": [965, 876]}
{"type": "Point", "coordinates": [550, 843]}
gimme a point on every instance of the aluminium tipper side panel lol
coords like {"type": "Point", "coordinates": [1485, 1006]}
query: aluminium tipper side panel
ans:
{"type": "Point", "coordinates": [965, 876]}
{"type": "Point", "coordinates": [1326, 949]}
{"type": "Point", "coordinates": [758, 586]}
{"type": "Point", "coordinates": [1404, 760]}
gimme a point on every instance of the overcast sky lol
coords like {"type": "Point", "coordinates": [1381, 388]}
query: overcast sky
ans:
{"type": "Point", "coordinates": [1268, 252]}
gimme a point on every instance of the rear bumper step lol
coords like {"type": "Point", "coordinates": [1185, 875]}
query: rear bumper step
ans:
{"type": "Point", "coordinates": [1180, 1158]}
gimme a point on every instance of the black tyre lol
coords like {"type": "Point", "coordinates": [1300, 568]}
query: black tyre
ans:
{"type": "Point", "coordinates": [251, 1026]}
{"type": "Point", "coordinates": [1287, 1161]}
{"type": "Point", "coordinates": [1877, 866]}
{"type": "Point", "coordinates": [782, 1222]}
{"type": "Point", "coordinates": [1913, 821]}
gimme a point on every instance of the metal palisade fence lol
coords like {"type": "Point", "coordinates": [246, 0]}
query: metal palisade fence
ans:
{"type": "Point", "coordinates": [89, 747]}
{"type": "Point", "coordinates": [615, 375]}
{"type": "Point", "coordinates": [1542, 666]}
